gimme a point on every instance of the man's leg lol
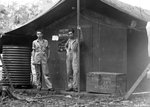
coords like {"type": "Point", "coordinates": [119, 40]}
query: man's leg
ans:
{"type": "Point", "coordinates": [46, 76]}
{"type": "Point", "coordinates": [75, 65]}
{"type": "Point", "coordinates": [34, 75]}
{"type": "Point", "coordinates": [38, 75]}
{"type": "Point", "coordinates": [69, 69]}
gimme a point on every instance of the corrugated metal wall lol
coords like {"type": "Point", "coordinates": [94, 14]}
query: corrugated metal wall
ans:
{"type": "Point", "coordinates": [17, 58]}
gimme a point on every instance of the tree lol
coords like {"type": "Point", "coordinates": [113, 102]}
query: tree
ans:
{"type": "Point", "coordinates": [14, 15]}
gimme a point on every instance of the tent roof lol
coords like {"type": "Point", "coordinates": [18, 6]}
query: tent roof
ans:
{"type": "Point", "coordinates": [112, 8]}
{"type": "Point", "coordinates": [135, 11]}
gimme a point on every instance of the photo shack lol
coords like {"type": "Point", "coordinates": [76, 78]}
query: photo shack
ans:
{"type": "Point", "coordinates": [114, 42]}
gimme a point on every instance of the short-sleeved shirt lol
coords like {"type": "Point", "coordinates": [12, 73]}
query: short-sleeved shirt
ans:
{"type": "Point", "coordinates": [72, 47]}
{"type": "Point", "coordinates": [41, 49]}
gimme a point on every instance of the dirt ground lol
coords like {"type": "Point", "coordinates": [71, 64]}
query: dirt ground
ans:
{"type": "Point", "coordinates": [48, 99]}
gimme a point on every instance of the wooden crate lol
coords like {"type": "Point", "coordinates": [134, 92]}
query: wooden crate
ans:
{"type": "Point", "coordinates": [104, 82]}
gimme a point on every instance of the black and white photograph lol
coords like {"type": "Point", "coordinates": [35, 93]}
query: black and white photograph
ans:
{"type": "Point", "coordinates": [74, 53]}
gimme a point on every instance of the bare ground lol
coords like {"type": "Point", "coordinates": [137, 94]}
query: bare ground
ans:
{"type": "Point", "coordinates": [49, 99]}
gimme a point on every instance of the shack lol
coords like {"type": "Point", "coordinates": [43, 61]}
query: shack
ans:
{"type": "Point", "coordinates": [114, 40]}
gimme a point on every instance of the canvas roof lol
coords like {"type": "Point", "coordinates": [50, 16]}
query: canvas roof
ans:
{"type": "Point", "coordinates": [113, 8]}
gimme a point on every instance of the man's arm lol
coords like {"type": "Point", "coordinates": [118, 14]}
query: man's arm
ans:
{"type": "Point", "coordinates": [66, 44]}
{"type": "Point", "coordinates": [48, 49]}
{"type": "Point", "coordinates": [81, 34]}
{"type": "Point", "coordinates": [33, 50]}
{"type": "Point", "coordinates": [48, 53]}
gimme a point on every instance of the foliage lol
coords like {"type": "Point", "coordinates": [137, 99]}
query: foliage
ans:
{"type": "Point", "coordinates": [14, 15]}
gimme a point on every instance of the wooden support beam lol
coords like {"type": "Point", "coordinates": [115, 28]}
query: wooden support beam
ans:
{"type": "Point", "coordinates": [137, 82]}
{"type": "Point", "coordinates": [78, 33]}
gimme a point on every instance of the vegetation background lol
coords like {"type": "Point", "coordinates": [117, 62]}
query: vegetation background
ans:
{"type": "Point", "coordinates": [14, 13]}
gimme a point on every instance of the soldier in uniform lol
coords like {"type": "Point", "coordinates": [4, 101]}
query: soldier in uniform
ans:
{"type": "Point", "coordinates": [72, 61]}
{"type": "Point", "coordinates": [41, 53]}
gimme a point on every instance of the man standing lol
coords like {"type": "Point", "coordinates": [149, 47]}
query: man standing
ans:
{"type": "Point", "coordinates": [41, 53]}
{"type": "Point", "coordinates": [72, 61]}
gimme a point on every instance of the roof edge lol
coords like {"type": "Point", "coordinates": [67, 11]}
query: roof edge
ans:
{"type": "Point", "coordinates": [40, 15]}
{"type": "Point", "coordinates": [134, 11]}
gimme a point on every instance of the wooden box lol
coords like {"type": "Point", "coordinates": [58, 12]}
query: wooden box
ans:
{"type": "Point", "coordinates": [104, 82]}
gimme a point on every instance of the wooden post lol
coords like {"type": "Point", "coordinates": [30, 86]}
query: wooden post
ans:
{"type": "Point", "coordinates": [137, 82]}
{"type": "Point", "coordinates": [78, 33]}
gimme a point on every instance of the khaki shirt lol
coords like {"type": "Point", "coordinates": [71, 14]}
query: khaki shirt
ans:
{"type": "Point", "coordinates": [40, 49]}
{"type": "Point", "coordinates": [72, 46]}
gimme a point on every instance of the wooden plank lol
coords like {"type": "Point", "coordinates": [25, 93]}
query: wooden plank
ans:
{"type": "Point", "coordinates": [137, 82]}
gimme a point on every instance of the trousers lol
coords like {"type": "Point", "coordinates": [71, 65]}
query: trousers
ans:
{"type": "Point", "coordinates": [72, 65]}
{"type": "Point", "coordinates": [34, 78]}
{"type": "Point", "coordinates": [45, 74]}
